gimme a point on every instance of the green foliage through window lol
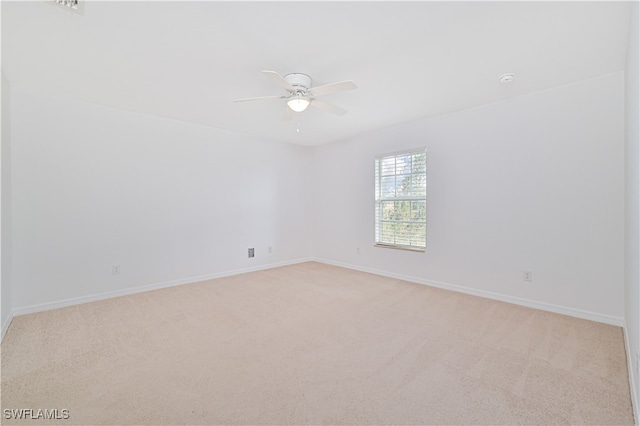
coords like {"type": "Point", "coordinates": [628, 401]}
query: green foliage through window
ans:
{"type": "Point", "coordinates": [401, 200]}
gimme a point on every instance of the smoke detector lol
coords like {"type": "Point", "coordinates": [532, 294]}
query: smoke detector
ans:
{"type": "Point", "coordinates": [76, 6]}
{"type": "Point", "coordinates": [507, 78]}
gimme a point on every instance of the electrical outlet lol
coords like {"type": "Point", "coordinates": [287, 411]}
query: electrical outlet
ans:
{"type": "Point", "coordinates": [357, 250]}
{"type": "Point", "coordinates": [252, 252]}
{"type": "Point", "coordinates": [270, 249]}
{"type": "Point", "coordinates": [526, 276]}
{"type": "Point", "coordinates": [115, 270]}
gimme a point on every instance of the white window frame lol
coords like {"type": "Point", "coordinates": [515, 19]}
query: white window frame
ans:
{"type": "Point", "coordinates": [411, 224]}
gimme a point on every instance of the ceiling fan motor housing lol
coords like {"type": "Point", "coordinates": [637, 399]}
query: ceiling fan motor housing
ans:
{"type": "Point", "coordinates": [298, 80]}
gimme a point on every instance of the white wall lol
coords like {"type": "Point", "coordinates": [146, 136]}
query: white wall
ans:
{"type": "Point", "coordinates": [534, 182]}
{"type": "Point", "coordinates": [632, 204]}
{"type": "Point", "coordinates": [5, 228]}
{"type": "Point", "coordinates": [95, 187]}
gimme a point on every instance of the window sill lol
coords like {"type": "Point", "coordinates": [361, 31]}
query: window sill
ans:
{"type": "Point", "coordinates": [405, 248]}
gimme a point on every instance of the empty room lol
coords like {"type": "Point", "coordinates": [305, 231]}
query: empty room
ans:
{"type": "Point", "coordinates": [323, 212]}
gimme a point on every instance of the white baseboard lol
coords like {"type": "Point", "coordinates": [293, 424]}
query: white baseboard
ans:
{"type": "Point", "coordinates": [593, 316]}
{"type": "Point", "coordinates": [5, 326]}
{"type": "Point", "coordinates": [461, 289]}
{"type": "Point", "coordinates": [631, 362]}
{"type": "Point", "coordinates": [149, 287]}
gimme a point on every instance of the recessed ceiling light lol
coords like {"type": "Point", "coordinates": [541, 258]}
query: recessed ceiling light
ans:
{"type": "Point", "coordinates": [507, 78]}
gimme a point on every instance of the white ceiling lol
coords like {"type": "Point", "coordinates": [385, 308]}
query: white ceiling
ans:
{"type": "Point", "coordinates": [189, 60]}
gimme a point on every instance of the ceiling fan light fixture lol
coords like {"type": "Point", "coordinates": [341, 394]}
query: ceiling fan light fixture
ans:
{"type": "Point", "coordinates": [300, 93]}
{"type": "Point", "coordinates": [298, 104]}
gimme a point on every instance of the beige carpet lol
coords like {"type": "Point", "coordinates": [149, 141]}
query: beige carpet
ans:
{"type": "Point", "coordinates": [313, 344]}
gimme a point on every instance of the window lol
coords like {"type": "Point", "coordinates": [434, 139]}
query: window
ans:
{"type": "Point", "coordinates": [401, 200]}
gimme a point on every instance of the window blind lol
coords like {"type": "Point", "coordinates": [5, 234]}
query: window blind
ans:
{"type": "Point", "coordinates": [401, 200]}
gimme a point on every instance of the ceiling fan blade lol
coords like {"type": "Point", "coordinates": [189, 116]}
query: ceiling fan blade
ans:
{"type": "Point", "coordinates": [260, 98]}
{"type": "Point", "coordinates": [288, 114]}
{"type": "Point", "coordinates": [326, 106]}
{"type": "Point", "coordinates": [279, 80]}
{"type": "Point", "coordinates": [333, 87]}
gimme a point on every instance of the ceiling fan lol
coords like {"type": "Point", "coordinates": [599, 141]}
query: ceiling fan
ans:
{"type": "Point", "coordinates": [300, 93]}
